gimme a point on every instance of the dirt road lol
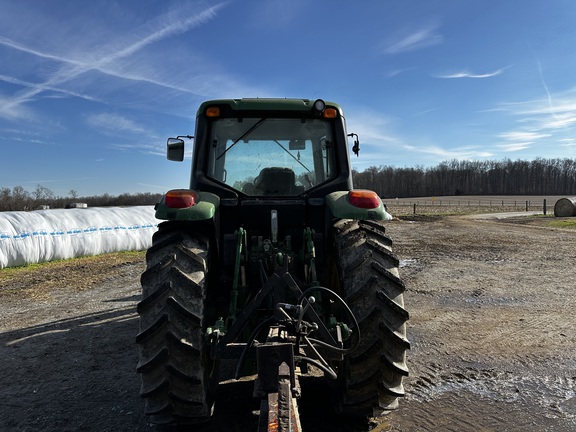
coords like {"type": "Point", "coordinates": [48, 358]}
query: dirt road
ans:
{"type": "Point", "coordinates": [491, 324]}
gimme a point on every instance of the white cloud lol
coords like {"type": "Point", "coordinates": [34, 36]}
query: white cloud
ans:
{"type": "Point", "coordinates": [564, 104]}
{"type": "Point", "coordinates": [114, 123]}
{"type": "Point", "coordinates": [14, 111]}
{"type": "Point", "coordinates": [136, 137]}
{"type": "Point", "coordinates": [522, 136]}
{"type": "Point", "coordinates": [567, 142]}
{"type": "Point", "coordinates": [154, 149]}
{"type": "Point", "coordinates": [370, 125]}
{"type": "Point", "coordinates": [380, 142]}
{"type": "Point", "coordinates": [467, 74]}
{"type": "Point", "coordinates": [541, 122]}
{"type": "Point", "coordinates": [560, 121]}
{"type": "Point", "coordinates": [395, 72]}
{"type": "Point", "coordinates": [456, 153]}
{"type": "Point", "coordinates": [513, 147]}
{"type": "Point", "coordinates": [424, 37]}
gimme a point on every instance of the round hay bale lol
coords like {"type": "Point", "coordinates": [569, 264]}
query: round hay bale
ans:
{"type": "Point", "coordinates": [565, 207]}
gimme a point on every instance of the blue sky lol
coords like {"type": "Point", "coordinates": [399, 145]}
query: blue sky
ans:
{"type": "Point", "coordinates": [89, 91]}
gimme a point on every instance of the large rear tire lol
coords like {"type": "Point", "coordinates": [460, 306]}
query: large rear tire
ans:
{"type": "Point", "coordinates": [371, 376]}
{"type": "Point", "coordinates": [178, 378]}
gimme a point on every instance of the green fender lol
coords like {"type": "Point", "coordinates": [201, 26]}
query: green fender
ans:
{"type": "Point", "coordinates": [341, 208]}
{"type": "Point", "coordinates": [204, 209]}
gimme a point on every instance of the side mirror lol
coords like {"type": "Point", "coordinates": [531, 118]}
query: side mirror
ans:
{"type": "Point", "coordinates": [175, 151]}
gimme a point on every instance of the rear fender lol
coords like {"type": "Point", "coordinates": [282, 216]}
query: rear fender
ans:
{"type": "Point", "coordinates": [204, 209]}
{"type": "Point", "coordinates": [341, 208]}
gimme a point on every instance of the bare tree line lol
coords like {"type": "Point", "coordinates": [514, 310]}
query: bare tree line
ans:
{"type": "Point", "coordinates": [456, 177]}
{"type": "Point", "coordinates": [19, 199]}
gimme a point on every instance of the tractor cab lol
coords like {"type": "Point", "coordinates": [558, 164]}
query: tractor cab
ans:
{"type": "Point", "coordinates": [268, 147]}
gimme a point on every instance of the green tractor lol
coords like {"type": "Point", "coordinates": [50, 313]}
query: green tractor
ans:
{"type": "Point", "coordinates": [270, 259]}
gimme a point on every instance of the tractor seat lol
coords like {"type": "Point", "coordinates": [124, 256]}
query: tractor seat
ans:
{"type": "Point", "coordinates": [275, 181]}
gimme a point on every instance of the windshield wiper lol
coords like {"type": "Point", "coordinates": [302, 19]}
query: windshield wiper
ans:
{"type": "Point", "coordinates": [293, 157]}
{"type": "Point", "coordinates": [244, 135]}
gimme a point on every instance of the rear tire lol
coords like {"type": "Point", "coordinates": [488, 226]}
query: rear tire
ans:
{"type": "Point", "coordinates": [178, 378]}
{"type": "Point", "coordinates": [371, 376]}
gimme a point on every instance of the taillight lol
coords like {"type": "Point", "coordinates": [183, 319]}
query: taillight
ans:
{"type": "Point", "coordinates": [364, 199]}
{"type": "Point", "coordinates": [180, 198]}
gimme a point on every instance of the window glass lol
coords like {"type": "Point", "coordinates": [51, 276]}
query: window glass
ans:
{"type": "Point", "coordinates": [271, 156]}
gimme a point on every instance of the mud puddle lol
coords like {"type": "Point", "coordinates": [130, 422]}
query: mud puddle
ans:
{"type": "Point", "coordinates": [491, 326]}
{"type": "Point", "coordinates": [488, 396]}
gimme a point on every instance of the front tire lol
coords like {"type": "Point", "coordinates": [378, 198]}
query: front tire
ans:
{"type": "Point", "coordinates": [178, 378]}
{"type": "Point", "coordinates": [371, 375]}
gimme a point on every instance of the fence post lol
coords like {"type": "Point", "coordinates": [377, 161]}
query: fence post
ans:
{"type": "Point", "coordinates": [526, 205]}
{"type": "Point", "coordinates": [544, 206]}
{"type": "Point", "coordinates": [414, 208]}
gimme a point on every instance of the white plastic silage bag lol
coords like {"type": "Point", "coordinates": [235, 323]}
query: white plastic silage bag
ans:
{"type": "Point", "coordinates": [46, 235]}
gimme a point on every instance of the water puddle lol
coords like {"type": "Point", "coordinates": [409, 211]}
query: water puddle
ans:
{"type": "Point", "coordinates": [408, 262]}
{"type": "Point", "coordinates": [487, 400]}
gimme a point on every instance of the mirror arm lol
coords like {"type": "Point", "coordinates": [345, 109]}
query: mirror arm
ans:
{"type": "Point", "coordinates": [356, 147]}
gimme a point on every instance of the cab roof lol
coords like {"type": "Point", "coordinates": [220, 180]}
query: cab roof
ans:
{"type": "Point", "coordinates": [271, 104]}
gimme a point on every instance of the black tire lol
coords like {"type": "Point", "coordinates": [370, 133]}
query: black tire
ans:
{"type": "Point", "coordinates": [178, 378]}
{"type": "Point", "coordinates": [371, 376]}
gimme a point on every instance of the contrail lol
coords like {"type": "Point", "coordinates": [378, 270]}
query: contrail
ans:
{"type": "Point", "coordinates": [550, 103]}
{"type": "Point", "coordinates": [67, 73]}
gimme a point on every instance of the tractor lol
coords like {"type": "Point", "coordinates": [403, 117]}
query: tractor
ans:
{"type": "Point", "coordinates": [271, 260]}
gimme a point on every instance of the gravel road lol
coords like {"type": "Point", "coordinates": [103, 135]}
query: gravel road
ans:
{"type": "Point", "coordinates": [491, 324]}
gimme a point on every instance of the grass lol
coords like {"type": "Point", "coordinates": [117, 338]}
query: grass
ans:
{"type": "Point", "coordinates": [9, 271]}
{"type": "Point", "coordinates": [36, 280]}
{"type": "Point", "coordinates": [563, 223]}
{"type": "Point", "coordinates": [429, 210]}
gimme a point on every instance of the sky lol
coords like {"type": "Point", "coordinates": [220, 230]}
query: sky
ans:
{"type": "Point", "coordinates": [90, 91]}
